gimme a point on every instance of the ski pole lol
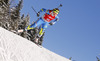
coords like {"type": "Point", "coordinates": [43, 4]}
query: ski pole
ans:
{"type": "Point", "coordinates": [34, 10]}
{"type": "Point", "coordinates": [60, 5]}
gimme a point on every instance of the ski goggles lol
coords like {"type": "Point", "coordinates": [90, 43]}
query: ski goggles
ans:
{"type": "Point", "coordinates": [56, 11]}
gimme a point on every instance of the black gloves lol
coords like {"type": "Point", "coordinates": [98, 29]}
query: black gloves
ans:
{"type": "Point", "coordinates": [51, 23]}
{"type": "Point", "coordinates": [38, 14]}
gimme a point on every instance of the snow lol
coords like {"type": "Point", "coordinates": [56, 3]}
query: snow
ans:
{"type": "Point", "coordinates": [16, 48]}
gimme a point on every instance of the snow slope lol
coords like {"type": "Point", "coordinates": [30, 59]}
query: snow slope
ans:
{"type": "Point", "coordinates": [16, 48]}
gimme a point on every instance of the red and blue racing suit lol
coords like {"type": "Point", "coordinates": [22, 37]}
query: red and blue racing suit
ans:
{"type": "Point", "coordinates": [45, 19]}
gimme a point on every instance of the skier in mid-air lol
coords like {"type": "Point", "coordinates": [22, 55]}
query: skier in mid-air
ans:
{"type": "Point", "coordinates": [49, 18]}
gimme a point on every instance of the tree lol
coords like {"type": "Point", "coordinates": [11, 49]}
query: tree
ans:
{"type": "Point", "coordinates": [97, 58]}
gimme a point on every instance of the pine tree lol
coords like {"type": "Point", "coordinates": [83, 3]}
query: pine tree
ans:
{"type": "Point", "coordinates": [15, 16]}
{"type": "Point", "coordinates": [97, 58]}
{"type": "Point", "coordinates": [4, 18]}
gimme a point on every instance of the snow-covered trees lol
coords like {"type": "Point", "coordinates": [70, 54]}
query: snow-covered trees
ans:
{"type": "Point", "coordinates": [11, 20]}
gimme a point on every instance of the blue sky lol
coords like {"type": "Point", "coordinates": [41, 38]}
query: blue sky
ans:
{"type": "Point", "coordinates": [77, 33]}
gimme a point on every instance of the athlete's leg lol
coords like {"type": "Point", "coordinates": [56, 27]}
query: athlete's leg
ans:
{"type": "Point", "coordinates": [35, 24]}
{"type": "Point", "coordinates": [44, 26]}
